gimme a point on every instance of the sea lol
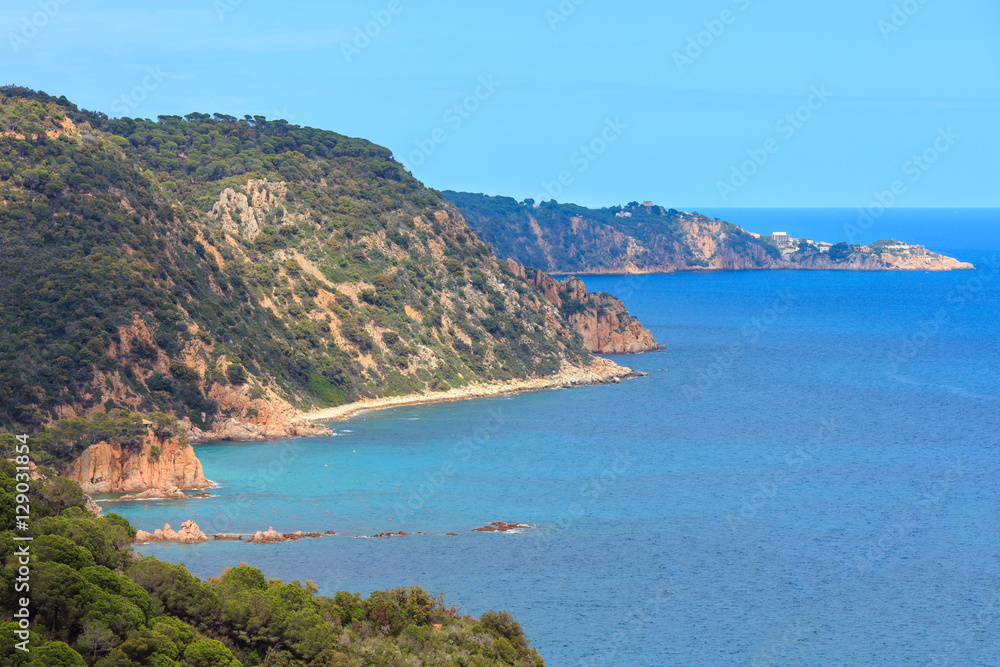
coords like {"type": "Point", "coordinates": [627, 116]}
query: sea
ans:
{"type": "Point", "coordinates": [809, 474]}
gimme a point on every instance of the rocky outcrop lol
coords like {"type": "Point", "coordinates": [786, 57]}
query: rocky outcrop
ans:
{"type": "Point", "coordinates": [154, 463]}
{"type": "Point", "coordinates": [605, 323]}
{"type": "Point", "coordinates": [563, 238]}
{"type": "Point", "coordinates": [500, 527]}
{"type": "Point", "coordinates": [870, 261]}
{"type": "Point", "coordinates": [93, 507]}
{"type": "Point", "coordinates": [269, 536]}
{"type": "Point", "coordinates": [243, 430]}
{"type": "Point", "coordinates": [162, 494]}
{"type": "Point", "coordinates": [602, 320]}
{"type": "Point", "coordinates": [245, 212]}
{"type": "Point", "coordinates": [189, 533]}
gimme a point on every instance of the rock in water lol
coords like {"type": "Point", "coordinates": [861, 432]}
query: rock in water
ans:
{"type": "Point", "coordinates": [270, 536]}
{"type": "Point", "coordinates": [107, 468]}
{"type": "Point", "coordinates": [188, 534]}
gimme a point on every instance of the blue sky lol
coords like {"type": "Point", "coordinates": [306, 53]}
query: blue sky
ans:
{"type": "Point", "coordinates": [684, 103]}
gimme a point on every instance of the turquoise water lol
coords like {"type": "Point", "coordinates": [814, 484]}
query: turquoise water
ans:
{"type": "Point", "coordinates": [813, 481]}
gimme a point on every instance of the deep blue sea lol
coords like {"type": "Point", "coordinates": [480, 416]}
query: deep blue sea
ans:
{"type": "Point", "coordinates": [809, 474]}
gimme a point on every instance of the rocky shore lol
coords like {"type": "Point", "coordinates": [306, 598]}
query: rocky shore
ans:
{"type": "Point", "coordinates": [159, 464]}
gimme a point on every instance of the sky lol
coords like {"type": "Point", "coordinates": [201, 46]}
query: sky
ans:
{"type": "Point", "coordinates": [714, 104]}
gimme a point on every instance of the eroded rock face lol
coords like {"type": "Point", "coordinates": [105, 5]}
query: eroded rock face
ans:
{"type": "Point", "coordinates": [107, 468]}
{"type": "Point", "coordinates": [244, 213]}
{"type": "Point", "coordinates": [602, 320]}
{"type": "Point", "coordinates": [605, 323]}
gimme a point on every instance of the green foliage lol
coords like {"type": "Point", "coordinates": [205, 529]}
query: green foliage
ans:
{"type": "Point", "coordinates": [67, 438]}
{"type": "Point", "coordinates": [575, 239]}
{"type": "Point", "coordinates": [840, 252]}
{"type": "Point", "coordinates": [116, 263]}
{"type": "Point", "coordinates": [126, 611]}
{"type": "Point", "coordinates": [236, 374]}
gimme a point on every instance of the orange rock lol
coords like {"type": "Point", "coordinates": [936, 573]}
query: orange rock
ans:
{"type": "Point", "coordinates": [107, 468]}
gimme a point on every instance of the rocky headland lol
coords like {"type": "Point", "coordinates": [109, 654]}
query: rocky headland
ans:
{"type": "Point", "coordinates": [153, 464]}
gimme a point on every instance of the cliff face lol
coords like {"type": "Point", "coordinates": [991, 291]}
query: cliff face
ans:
{"type": "Point", "coordinates": [106, 468]}
{"type": "Point", "coordinates": [601, 319]}
{"type": "Point", "coordinates": [235, 273]}
{"type": "Point", "coordinates": [565, 238]}
{"type": "Point", "coordinates": [876, 262]}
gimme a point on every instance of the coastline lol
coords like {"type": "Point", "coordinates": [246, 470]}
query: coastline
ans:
{"type": "Point", "coordinates": [601, 371]}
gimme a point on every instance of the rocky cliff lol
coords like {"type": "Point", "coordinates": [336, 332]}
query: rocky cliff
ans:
{"type": "Point", "coordinates": [237, 273]}
{"type": "Point", "coordinates": [565, 238]}
{"type": "Point", "coordinates": [152, 464]}
{"type": "Point", "coordinates": [602, 320]}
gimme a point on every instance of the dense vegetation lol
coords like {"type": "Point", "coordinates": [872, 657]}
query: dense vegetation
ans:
{"type": "Point", "coordinates": [95, 602]}
{"type": "Point", "coordinates": [566, 238]}
{"type": "Point", "coordinates": [209, 266]}
{"type": "Point", "coordinates": [66, 439]}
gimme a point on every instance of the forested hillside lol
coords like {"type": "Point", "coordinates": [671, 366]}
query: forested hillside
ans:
{"type": "Point", "coordinates": [646, 238]}
{"type": "Point", "coordinates": [566, 238]}
{"type": "Point", "coordinates": [209, 266]}
{"type": "Point", "coordinates": [96, 602]}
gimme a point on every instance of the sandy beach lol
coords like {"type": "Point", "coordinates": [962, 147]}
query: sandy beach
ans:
{"type": "Point", "coordinates": [601, 371]}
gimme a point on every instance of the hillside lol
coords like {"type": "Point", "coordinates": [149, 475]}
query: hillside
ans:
{"type": "Point", "coordinates": [645, 238]}
{"type": "Point", "coordinates": [217, 269]}
{"type": "Point", "coordinates": [94, 601]}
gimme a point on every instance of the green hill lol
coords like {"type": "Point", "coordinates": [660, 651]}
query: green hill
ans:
{"type": "Point", "coordinates": [94, 601]}
{"type": "Point", "coordinates": [646, 238]}
{"type": "Point", "coordinates": [566, 238]}
{"type": "Point", "coordinates": [209, 266]}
